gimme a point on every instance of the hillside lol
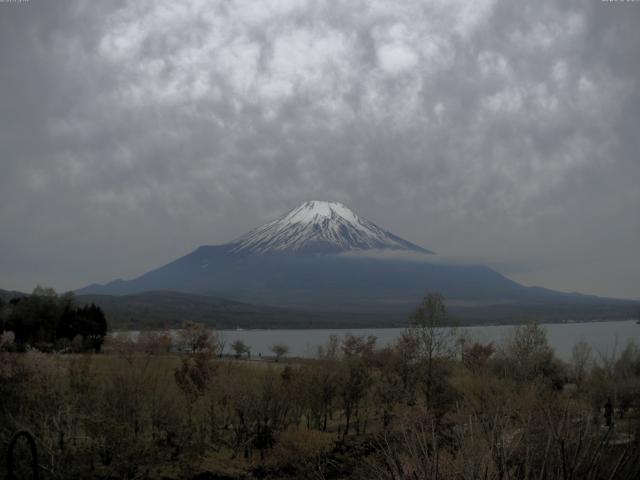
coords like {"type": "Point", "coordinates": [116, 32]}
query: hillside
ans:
{"type": "Point", "coordinates": [158, 310]}
{"type": "Point", "coordinates": [166, 309]}
{"type": "Point", "coordinates": [7, 295]}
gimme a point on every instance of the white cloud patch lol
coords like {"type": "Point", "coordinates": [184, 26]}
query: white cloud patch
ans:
{"type": "Point", "coordinates": [507, 101]}
{"type": "Point", "coordinates": [396, 58]}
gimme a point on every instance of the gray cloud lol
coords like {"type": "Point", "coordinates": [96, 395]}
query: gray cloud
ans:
{"type": "Point", "coordinates": [131, 132]}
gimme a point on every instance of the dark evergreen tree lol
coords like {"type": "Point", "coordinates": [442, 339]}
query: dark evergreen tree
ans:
{"type": "Point", "coordinates": [44, 319]}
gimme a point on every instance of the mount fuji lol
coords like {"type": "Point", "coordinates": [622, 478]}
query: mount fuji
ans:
{"type": "Point", "coordinates": [320, 228]}
{"type": "Point", "coordinates": [323, 257]}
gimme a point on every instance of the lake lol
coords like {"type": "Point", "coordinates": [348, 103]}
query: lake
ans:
{"type": "Point", "coordinates": [604, 337]}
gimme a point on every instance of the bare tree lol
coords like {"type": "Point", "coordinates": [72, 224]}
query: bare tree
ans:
{"type": "Point", "coordinates": [279, 350]}
{"type": "Point", "coordinates": [433, 334]}
{"type": "Point", "coordinates": [240, 348]}
{"type": "Point", "coordinates": [581, 357]}
{"type": "Point", "coordinates": [330, 350]}
{"type": "Point", "coordinates": [196, 337]}
{"type": "Point", "coordinates": [528, 353]}
{"type": "Point", "coordinates": [155, 342]}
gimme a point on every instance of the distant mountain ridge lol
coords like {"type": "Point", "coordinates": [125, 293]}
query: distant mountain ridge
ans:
{"type": "Point", "coordinates": [7, 295]}
{"type": "Point", "coordinates": [323, 257]}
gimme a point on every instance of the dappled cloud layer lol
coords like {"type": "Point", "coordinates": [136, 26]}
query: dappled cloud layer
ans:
{"type": "Point", "coordinates": [498, 130]}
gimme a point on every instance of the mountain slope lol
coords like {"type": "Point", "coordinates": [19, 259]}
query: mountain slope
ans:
{"type": "Point", "coordinates": [320, 227]}
{"type": "Point", "coordinates": [322, 257]}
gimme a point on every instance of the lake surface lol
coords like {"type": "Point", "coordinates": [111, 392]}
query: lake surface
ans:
{"type": "Point", "coordinates": [604, 337]}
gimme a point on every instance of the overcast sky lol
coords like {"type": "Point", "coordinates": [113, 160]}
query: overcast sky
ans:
{"type": "Point", "coordinates": [505, 133]}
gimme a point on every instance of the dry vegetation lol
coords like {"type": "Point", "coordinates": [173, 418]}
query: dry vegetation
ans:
{"type": "Point", "coordinates": [431, 406]}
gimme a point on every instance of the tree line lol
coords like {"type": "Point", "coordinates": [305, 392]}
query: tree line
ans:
{"type": "Point", "coordinates": [50, 322]}
{"type": "Point", "coordinates": [433, 405]}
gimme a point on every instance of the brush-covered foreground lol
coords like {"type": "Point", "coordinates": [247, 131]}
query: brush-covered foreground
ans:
{"type": "Point", "coordinates": [431, 406]}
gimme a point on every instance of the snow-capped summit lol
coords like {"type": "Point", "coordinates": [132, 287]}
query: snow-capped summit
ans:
{"type": "Point", "coordinates": [320, 227]}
